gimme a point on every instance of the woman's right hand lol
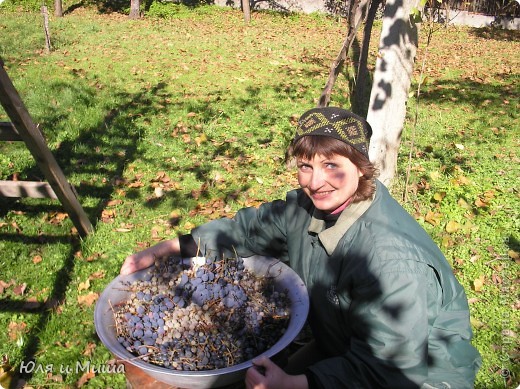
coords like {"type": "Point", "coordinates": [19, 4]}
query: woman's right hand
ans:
{"type": "Point", "coordinates": [146, 258]}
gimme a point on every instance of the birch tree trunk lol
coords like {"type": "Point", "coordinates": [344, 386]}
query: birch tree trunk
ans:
{"type": "Point", "coordinates": [135, 9]}
{"type": "Point", "coordinates": [391, 84]}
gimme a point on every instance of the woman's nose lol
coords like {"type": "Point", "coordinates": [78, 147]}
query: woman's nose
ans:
{"type": "Point", "coordinates": [317, 179]}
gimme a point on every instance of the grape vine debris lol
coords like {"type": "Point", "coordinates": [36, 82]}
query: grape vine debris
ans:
{"type": "Point", "coordinates": [204, 315]}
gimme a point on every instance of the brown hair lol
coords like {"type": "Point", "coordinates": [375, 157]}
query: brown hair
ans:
{"type": "Point", "coordinates": [309, 146]}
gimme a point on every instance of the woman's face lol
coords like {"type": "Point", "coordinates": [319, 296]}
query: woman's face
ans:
{"type": "Point", "coordinates": [329, 182]}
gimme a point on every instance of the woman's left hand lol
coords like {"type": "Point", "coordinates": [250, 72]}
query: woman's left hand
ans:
{"type": "Point", "coordinates": [265, 374]}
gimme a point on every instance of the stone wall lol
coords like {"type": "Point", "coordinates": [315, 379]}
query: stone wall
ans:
{"type": "Point", "coordinates": [308, 6]}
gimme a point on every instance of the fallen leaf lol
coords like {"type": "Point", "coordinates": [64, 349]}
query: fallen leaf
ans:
{"type": "Point", "coordinates": [20, 289]}
{"type": "Point", "coordinates": [435, 175]}
{"type": "Point", "coordinates": [452, 226]}
{"type": "Point", "coordinates": [88, 350]}
{"type": "Point", "coordinates": [480, 203]}
{"type": "Point", "coordinates": [438, 196]}
{"type": "Point", "coordinates": [85, 378]}
{"type": "Point", "coordinates": [15, 330]}
{"type": "Point", "coordinates": [7, 373]}
{"type": "Point", "coordinates": [97, 275]}
{"type": "Point", "coordinates": [476, 323]}
{"type": "Point", "coordinates": [57, 217]}
{"type": "Point", "coordinates": [512, 254]}
{"type": "Point", "coordinates": [108, 215]}
{"type": "Point", "coordinates": [4, 285]}
{"type": "Point", "coordinates": [200, 139]}
{"type": "Point", "coordinates": [433, 218]}
{"type": "Point", "coordinates": [478, 284]}
{"type": "Point", "coordinates": [93, 257]}
{"type": "Point", "coordinates": [135, 184]}
{"type": "Point", "coordinates": [54, 377]}
{"type": "Point", "coordinates": [189, 226]}
{"type": "Point", "coordinates": [88, 299]}
{"type": "Point", "coordinates": [84, 285]}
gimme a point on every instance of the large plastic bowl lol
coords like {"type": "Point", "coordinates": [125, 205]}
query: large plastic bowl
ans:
{"type": "Point", "coordinates": [285, 279]}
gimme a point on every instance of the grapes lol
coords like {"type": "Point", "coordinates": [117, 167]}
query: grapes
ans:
{"type": "Point", "coordinates": [213, 315]}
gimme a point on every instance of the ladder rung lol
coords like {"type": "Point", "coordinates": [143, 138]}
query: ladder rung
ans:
{"type": "Point", "coordinates": [8, 132]}
{"type": "Point", "coordinates": [35, 189]}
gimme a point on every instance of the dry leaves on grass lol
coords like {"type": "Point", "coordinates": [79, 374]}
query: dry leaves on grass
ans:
{"type": "Point", "coordinates": [88, 299]}
{"type": "Point", "coordinates": [85, 378]}
{"type": "Point", "coordinates": [16, 329]}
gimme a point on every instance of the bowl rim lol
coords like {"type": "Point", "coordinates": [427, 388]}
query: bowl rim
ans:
{"type": "Point", "coordinates": [104, 304]}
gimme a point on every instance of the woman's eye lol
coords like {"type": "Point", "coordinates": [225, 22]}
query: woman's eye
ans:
{"type": "Point", "coordinates": [331, 165]}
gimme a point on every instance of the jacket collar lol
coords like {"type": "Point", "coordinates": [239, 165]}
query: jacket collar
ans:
{"type": "Point", "coordinates": [330, 237]}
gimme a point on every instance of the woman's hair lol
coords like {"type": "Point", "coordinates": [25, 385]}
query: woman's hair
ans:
{"type": "Point", "coordinates": [309, 146]}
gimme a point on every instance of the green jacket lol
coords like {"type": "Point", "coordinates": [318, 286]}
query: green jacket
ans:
{"type": "Point", "coordinates": [385, 306]}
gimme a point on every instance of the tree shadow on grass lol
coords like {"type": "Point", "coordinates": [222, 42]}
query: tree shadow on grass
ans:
{"type": "Point", "coordinates": [478, 127]}
{"type": "Point", "coordinates": [102, 149]}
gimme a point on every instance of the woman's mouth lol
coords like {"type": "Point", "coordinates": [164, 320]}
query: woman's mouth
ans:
{"type": "Point", "coordinates": [321, 195]}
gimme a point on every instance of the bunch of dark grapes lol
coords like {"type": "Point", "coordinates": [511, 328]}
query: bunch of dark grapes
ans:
{"type": "Point", "coordinates": [203, 316]}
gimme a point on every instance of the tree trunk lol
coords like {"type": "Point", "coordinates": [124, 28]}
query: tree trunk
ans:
{"type": "Point", "coordinates": [392, 79]}
{"type": "Point", "coordinates": [58, 8]}
{"type": "Point", "coordinates": [247, 10]}
{"type": "Point", "coordinates": [361, 90]}
{"type": "Point", "coordinates": [355, 18]}
{"type": "Point", "coordinates": [46, 30]}
{"type": "Point", "coordinates": [135, 9]}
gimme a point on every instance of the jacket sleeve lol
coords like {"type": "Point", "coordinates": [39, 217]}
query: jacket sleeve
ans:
{"type": "Point", "coordinates": [252, 231]}
{"type": "Point", "coordinates": [389, 333]}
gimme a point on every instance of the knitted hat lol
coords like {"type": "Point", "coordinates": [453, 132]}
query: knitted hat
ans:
{"type": "Point", "coordinates": [337, 123]}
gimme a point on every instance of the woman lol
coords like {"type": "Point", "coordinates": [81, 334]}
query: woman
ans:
{"type": "Point", "coordinates": [385, 308]}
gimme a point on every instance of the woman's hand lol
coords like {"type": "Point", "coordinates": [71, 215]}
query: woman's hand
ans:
{"type": "Point", "coordinates": [265, 374]}
{"type": "Point", "coordinates": [145, 258]}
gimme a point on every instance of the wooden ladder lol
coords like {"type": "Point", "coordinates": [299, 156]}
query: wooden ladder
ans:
{"type": "Point", "coordinates": [22, 128]}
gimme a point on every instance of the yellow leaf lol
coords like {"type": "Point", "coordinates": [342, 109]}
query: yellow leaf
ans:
{"type": "Point", "coordinates": [463, 203]}
{"type": "Point", "coordinates": [478, 284]}
{"type": "Point", "coordinates": [84, 285]}
{"type": "Point", "coordinates": [452, 226]}
{"type": "Point", "coordinates": [476, 323]}
{"type": "Point", "coordinates": [435, 175]}
{"type": "Point", "coordinates": [438, 196]}
{"type": "Point", "coordinates": [463, 180]}
{"type": "Point", "coordinates": [200, 139]}
{"type": "Point", "coordinates": [433, 218]}
{"type": "Point", "coordinates": [189, 226]}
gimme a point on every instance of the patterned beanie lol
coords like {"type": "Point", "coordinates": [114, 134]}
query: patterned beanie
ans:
{"type": "Point", "coordinates": [337, 123]}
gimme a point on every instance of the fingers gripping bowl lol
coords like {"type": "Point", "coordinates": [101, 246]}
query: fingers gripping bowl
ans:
{"type": "Point", "coordinates": [285, 279]}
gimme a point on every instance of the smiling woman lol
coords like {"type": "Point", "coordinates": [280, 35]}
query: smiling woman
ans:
{"type": "Point", "coordinates": [386, 310]}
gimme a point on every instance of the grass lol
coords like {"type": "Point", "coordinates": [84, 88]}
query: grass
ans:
{"type": "Point", "coordinates": [202, 106]}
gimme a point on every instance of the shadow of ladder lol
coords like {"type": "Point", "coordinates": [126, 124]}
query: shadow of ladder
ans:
{"type": "Point", "coordinates": [22, 128]}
